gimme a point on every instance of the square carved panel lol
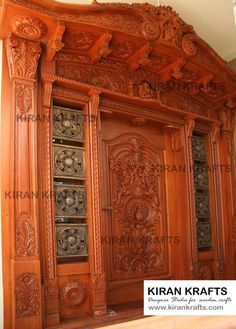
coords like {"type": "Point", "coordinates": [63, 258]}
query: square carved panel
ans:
{"type": "Point", "coordinates": [199, 148]}
{"type": "Point", "coordinates": [204, 235]}
{"type": "Point", "coordinates": [71, 240]}
{"type": "Point", "coordinates": [200, 176]}
{"type": "Point", "coordinates": [68, 124]}
{"type": "Point", "coordinates": [202, 205]}
{"type": "Point", "coordinates": [70, 200]}
{"type": "Point", "coordinates": [69, 162]}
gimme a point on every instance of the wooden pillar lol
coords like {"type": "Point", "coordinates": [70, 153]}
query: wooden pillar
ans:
{"type": "Point", "coordinates": [97, 266]}
{"type": "Point", "coordinates": [23, 56]}
{"type": "Point", "coordinates": [189, 126]}
{"type": "Point", "coordinates": [228, 193]}
{"type": "Point", "coordinates": [47, 221]}
{"type": "Point", "coordinates": [219, 248]}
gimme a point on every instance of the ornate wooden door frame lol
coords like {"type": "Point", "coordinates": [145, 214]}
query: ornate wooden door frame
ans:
{"type": "Point", "coordinates": [108, 66]}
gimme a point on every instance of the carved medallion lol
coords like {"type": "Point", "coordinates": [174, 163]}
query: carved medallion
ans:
{"type": "Point", "coordinates": [205, 273]}
{"type": "Point", "coordinates": [27, 295]}
{"type": "Point", "coordinates": [71, 240]}
{"type": "Point", "coordinates": [69, 161]}
{"type": "Point", "coordinates": [68, 124]}
{"type": "Point", "coordinates": [73, 293]}
{"type": "Point", "coordinates": [70, 200]}
{"type": "Point", "coordinates": [25, 236]}
{"type": "Point", "coordinates": [30, 28]}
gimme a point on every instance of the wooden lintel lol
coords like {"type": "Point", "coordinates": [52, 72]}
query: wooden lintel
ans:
{"type": "Point", "coordinates": [100, 48]}
{"type": "Point", "coordinates": [140, 57]}
{"type": "Point", "coordinates": [55, 43]}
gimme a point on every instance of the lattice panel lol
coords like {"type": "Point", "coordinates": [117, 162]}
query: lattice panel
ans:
{"type": "Point", "coordinates": [202, 205]}
{"type": "Point", "coordinates": [198, 148]}
{"type": "Point", "coordinates": [70, 200]}
{"type": "Point", "coordinates": [200, 176]}
{"type": "Point", "coordinates": [71, 240]}
{"type": "Point", "coordinates": [69, 162]}
{"type": "Point", "coordinates": [204, 235]}
{"type": "Point", "coordinates": [68, 124]}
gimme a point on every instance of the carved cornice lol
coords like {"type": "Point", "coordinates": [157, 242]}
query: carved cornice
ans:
{"type": "Point", "coordinates": [22, 57]}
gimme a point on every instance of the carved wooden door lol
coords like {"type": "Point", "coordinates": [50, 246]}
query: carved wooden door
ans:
{"type": "Point", "coordinates": [134, 210]}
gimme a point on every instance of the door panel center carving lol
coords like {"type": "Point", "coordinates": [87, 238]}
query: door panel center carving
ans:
{"type": "Point", "coordinates": [137, 222]}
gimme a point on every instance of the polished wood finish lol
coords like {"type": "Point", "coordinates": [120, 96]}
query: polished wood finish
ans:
{"type": "Point", "coordinates": [145, 88]}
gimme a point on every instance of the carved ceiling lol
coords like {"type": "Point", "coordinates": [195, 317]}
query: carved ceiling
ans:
{"type": "Point", "coordinates": [138, 50]}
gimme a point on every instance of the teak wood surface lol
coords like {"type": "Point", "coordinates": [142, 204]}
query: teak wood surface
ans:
{"type": "Point", "coordinates": [146, 83]}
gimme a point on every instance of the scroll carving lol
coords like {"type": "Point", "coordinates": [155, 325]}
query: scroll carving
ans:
{"type": "Point", "coordinates": [27, 294]}
{"type": "Point", "coordinates": [55, 42]}
{"type": "Point", "coordinates": [25, 236]}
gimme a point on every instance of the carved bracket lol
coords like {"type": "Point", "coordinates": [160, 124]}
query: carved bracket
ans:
{"type": "Point", "coordinates": [100, 48]}
{"type": "Point", "coordinates": [140, 58]}
{"type": "Point", "coordinates": [172, 70]}
{"type": "Point", "coordinates": [55, 42]}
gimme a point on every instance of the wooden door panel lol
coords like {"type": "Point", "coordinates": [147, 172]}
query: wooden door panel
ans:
{"type": "Point", "coordinates": [137, 217]}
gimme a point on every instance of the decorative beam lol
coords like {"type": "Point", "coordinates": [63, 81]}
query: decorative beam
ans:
{"type": "Point", "coordinates": [55, 42]}
{"type": "Point", "coordinates": [100, 48]}
{"type": "Point", "coordinates": [140, 57]}
{"type": "Point", "coordinates": [172, 70]}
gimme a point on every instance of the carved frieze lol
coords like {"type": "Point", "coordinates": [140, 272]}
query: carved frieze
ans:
{"type": "Point", "coordinates": [70, 200]}
{"type": "Point", "coordinates": [68, 124]}
{"type": "Point", "coordinates": [69, 162]}
{"type": "Point", "coordinates": [25, 242]}
{"type": "Point", "coordinates": [71, 240]}
{"type": "Point", "coordinates": [27, 294]}
{"type": "Point", "coordinates": [79, 40]}
{"type": "Point", "coordinates": [73, 293]}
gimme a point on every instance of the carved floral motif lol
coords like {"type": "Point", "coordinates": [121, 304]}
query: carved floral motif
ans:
{"type": "Point", "coordinates": [23, 57]}
{"type": "Point", "coordinates": [137, 206]}
{"type": "Point", "coordinates": [24, 98]}
{"type": "Point", "coordinates": [27, 295]}
{"type": "Point", "coordinates": [73, 293]}
{"type": "Point", "coordinates": [25, 236]}
{"type": "Point", "coordinates": [30, 28]}
{"type": "Point", "coordinates": [79, 40]}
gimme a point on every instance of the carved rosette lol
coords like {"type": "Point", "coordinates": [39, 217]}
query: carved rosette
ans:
{"type": "Point", "coordinates": [73, 293]}
{"type": "Point", "coordinates": [27, 294]}
{"type": "Point", "coordinates": [30, 28]}
{"type": "Point", "coordinates": [25, 236]}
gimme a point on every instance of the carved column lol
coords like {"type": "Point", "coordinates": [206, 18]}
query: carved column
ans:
{"type": "Point", "coordinates": [228, 193]}
{"type": "Point", "coordinates": [220, 261]}
{"type": "Point", "coordinates": [23, 56]}
{"type": "Point", "coordinates": [47, 221]}
{"type": "Point", "coordinates": [189, 126]}
{"type": "Point", "coordinates": [97, 268]}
